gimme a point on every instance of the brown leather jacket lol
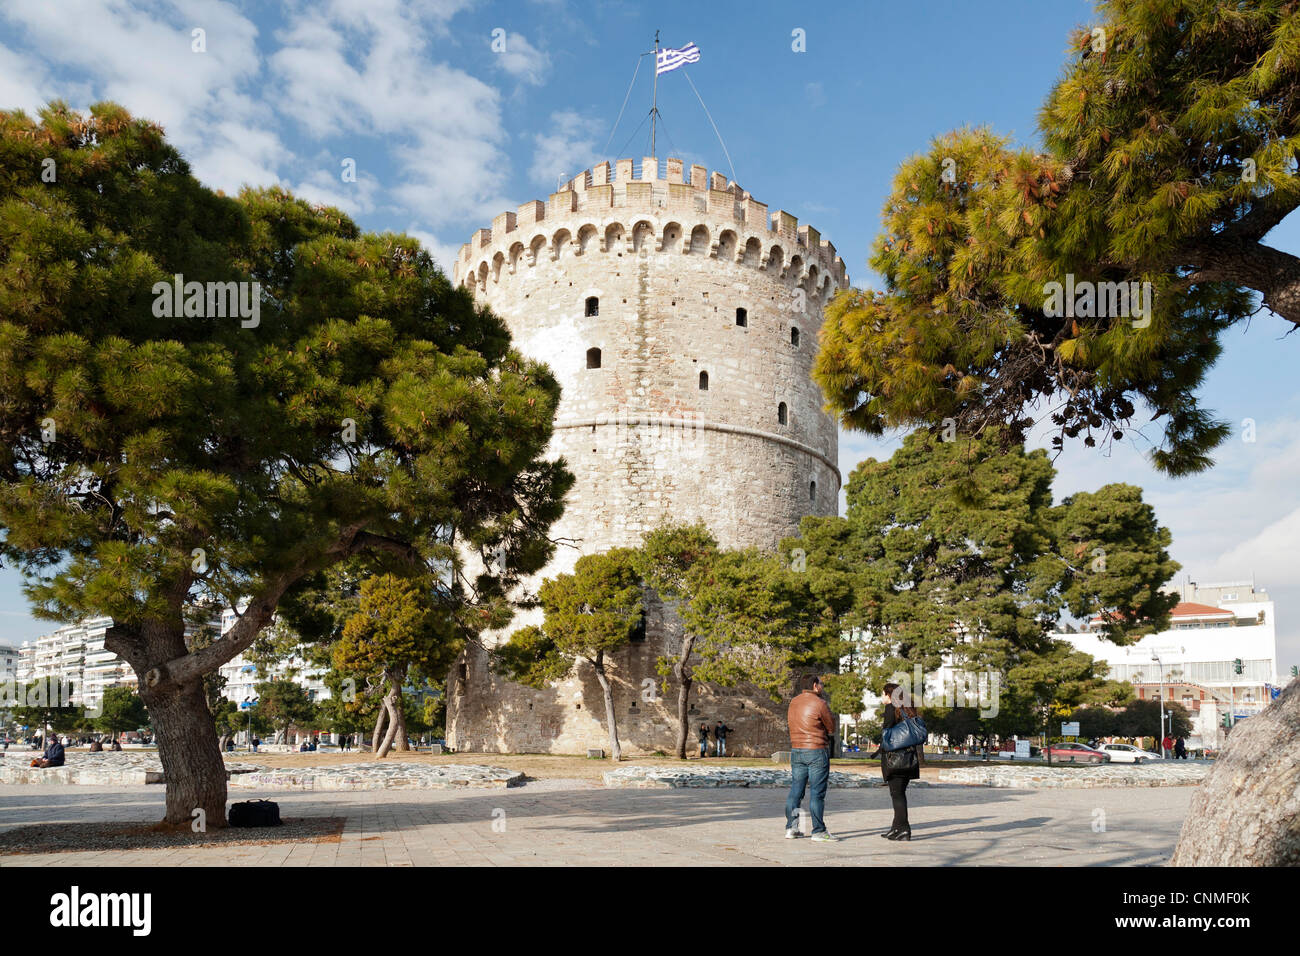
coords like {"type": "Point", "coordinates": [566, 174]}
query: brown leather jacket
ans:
{"type": "Point", "coordinates": [810, 721]}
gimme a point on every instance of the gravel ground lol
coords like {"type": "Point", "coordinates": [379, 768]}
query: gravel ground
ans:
{"type": "Point", "coordinates": [84, 837]}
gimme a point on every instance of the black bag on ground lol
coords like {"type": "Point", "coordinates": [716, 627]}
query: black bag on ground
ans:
{"type": "Point", "coordinates": [255, 813]}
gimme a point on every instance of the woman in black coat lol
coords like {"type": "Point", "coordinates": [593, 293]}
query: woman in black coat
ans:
{"type": "Point", "coordinates": [899, 766]}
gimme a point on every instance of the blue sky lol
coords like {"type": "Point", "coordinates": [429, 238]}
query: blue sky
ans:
{"type": "Point", "coordinates": [446, 133]}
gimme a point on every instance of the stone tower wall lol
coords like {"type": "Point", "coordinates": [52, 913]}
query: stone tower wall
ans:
{"type": "Point", "coordinates": [668, 262]}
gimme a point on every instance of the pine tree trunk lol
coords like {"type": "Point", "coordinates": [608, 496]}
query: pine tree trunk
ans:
{"type": "Point", "coordinates": [389, 700]}
{"type": "Point", "coordinates": [380, 720]}
{"type": "Point", "coordinates": [615, 752]}
{"type": "Point", "coordinates": [684, 683]}
{"type": "Point", "coordinates": [1245, 812]}
{"type": "Point", "coordinates": [184, 729]}
{"type": "Point", "coordinates": [190, 755]}
{"type": "Point", "coordinates": [399, 711]}
{"type": "Point", "coordinates": [403, 744]}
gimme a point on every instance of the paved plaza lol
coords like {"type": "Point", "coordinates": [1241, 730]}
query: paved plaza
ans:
{"type": "Point", "coordinates": [574, 822]}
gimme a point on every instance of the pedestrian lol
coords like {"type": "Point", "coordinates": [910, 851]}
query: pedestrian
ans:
{"type": "Point", "coordinates": [720, 736]}
{"type": "Point", "coordinates": [1167, 745]}
{"type": "Point", "coordinates": [53, 756]}
{"type": "Point", "coordinates": [704, 740]}
{"type": "Point", "coordinates": [811, 727]}
{"type": "Point", "coordinates": [898, 767]}
{"type": "Point", "coordinates": [1180, 749]}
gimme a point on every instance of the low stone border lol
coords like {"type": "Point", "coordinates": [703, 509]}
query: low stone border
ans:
{"type": "Point", "coordinates": [379, 776]}
{"type": "Point", "coordinates": [679, 777]}
{"type": "Point", "coordinates": [106, 769]}
{"type": "Point", "coordinates": [1042, 777]}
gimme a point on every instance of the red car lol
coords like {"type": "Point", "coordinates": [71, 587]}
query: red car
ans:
{"type": "Point", "coordinates": [1077, 753]}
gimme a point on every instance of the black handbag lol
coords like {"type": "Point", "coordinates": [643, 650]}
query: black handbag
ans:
{"type": "Point", "coordinates": [255, 813]}
{"type": "Point", "coordinates": [900, 761]}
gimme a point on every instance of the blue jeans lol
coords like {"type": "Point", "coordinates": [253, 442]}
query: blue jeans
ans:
{"type": "Point", "coordinates": [722, 746]}
{"type": "Point", "coordinates": [811, 770]}
{"type": "Point", "coordinates": [704, 748]}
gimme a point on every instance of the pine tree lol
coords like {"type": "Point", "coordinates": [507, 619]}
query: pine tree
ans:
{"type": "Point", "coordinates": [589, 614]}
{"type": "Point", "coordinates": [952, 553]}
{"type": "Point", "coordinates": [396, 629]}
{"type": "Point", "coordinates": [1169, 152]}
{"type": "Point", "coordinates": [122, 709]}
{"type": "Point", "coordinates": [755, 620]}
{"type": "Point", "coordinates": [670, 560]}
{"type": "Point", "coordinates": [285, 704]}
{"type": "Point", "coordinates": [150, 461]}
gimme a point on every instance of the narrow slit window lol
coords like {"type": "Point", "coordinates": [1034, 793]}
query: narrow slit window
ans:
{"type": "Point", "coordinates": [812, 491]}
{"type": "Point", "coordinates": [704, 381]}
{"type": "Point", "coordinates": [593, 306]}
{"type": "Point", "coordinates": [593, 358]}
{"type": "Point", "coordinates": [742, 318]}
{"type": "Point", "coordinates": [782, 414]}
{"type": "Point", "coordinates": [794, 336]}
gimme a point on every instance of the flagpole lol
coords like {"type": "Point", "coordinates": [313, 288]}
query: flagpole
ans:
{"type": "Point", "coordinates": [654, 103]}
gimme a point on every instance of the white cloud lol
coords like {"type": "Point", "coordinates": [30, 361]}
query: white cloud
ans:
{"type": "Point", "coordinates": [326, 186]}
{"type": "Point", "coordinates": [565, 150]}
{"type": "Point", "coordinates": [358, 70]}
{"type": "Point", "coordinates": [443, 254]}
{"type": "Point", "coordinates": [141, 56]}
{"type": "Point", "coordinates": [23, 82]}
{"type": "Point", "coordinates": [522, 60]}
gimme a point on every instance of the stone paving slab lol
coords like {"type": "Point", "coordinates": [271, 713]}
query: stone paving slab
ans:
{"type": "Point", "coordinates": [714, 776]}
{"type": "Point", "coordinates": [379, 776]}
{"type": "Point", "coordinates": [1041, 777]}
{"type": "Point", "coordinates": [571, 823]}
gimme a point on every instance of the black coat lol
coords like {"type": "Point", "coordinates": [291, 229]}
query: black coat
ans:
{"type": "Point", "coordinates": [891, 718]}
{"type": "Point", "coordinates": [54, 754]}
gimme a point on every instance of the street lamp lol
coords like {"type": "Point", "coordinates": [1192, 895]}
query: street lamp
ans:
{"type": "Point", "coordinates": [1160, 742]}
{"type": "Point", "coordinates": [248, 705]}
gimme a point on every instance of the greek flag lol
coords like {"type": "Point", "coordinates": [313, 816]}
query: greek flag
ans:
{"type": "Point", "coordinates": [669, 60]}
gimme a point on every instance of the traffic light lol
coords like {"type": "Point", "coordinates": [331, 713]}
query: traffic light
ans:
{"type": "Point", "coordinates": [1227, 721]}
{"type": "Point", "coordinates": [1237, 666]}
{"type": "Point", "coordinates": [1295, 671]}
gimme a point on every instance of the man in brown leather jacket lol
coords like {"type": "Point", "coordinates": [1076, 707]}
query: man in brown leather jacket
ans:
{"type": "Point", "coordinates": [811, 729]}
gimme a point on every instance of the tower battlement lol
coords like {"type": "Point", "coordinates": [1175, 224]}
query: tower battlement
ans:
{"type": "Point", "coordinates": [687, 210]}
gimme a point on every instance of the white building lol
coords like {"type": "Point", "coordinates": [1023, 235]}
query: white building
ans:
{"type": "Point", "coordinates": [242, 676]}
{"type": "Point", "coordinates": [75, 654]}
{"type": "Point", "coordinates": [1195, 662]}
{"type": "Point", "coordinates": [10, 657]}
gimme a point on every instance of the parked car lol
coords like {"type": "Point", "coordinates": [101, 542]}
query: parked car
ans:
{"type": "Point", "coordinates": [1127, 753]}
{"type": "Point", "coordinates": [1076, 753]}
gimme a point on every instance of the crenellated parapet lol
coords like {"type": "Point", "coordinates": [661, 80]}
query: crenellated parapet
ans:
{"type": "Point", "coordinates": [629, 207]}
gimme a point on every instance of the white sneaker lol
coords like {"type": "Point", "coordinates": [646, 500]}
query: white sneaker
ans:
{"type": "Point", "coordinates": [792, 833]}
{"type": "Point", "coordinates": [825, 837]}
